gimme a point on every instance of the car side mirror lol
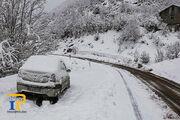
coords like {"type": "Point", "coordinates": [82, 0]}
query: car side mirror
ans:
{"type": "Point", "coordinates": [68, 70]}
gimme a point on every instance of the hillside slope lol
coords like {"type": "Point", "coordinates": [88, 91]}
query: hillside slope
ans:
{"type": "Point", "coordinates": [107, 48]}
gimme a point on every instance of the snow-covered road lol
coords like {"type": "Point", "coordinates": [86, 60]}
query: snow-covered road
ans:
{"type": "Point", "coordinates": [97, 92]}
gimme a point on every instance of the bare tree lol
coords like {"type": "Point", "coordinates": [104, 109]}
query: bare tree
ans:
{"type": "Point", "coordinates": [17, 18]}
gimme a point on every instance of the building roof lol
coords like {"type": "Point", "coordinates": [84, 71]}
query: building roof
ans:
{"type": "Point", "coordinates": [165, 6]}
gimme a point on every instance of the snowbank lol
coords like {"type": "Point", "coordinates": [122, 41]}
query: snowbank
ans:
{"type": "Point", "coordinates": [169, 69]}
{"type": "Point", "coordinates": [8, 84]}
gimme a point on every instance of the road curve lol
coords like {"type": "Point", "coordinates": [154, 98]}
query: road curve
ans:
{"type": "Point", "coordinates": [168, 90]}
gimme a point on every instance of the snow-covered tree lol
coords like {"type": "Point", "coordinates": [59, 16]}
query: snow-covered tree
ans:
{"type": "Point", "coordinates": [145, 58]}
{"type": "Point", "coordinates": [7, 55]}
{"type": "Point", "coordinates": [131, 32]}
{"type": "Point", "coordinates": [173, 50]}
{"type": "Point", "coordinates": [159, 55]}
{"type": "Point", "coordinates": [17, 19]}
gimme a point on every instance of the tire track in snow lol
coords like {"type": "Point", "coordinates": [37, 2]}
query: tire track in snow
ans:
{"type": "Point", "coordinates": [132, 99]}
{"type": "Point", "coordinates": [167, 89]}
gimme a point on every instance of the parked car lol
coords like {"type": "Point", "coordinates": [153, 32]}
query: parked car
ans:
{"type": "Point", "coordinates": [44, 75]}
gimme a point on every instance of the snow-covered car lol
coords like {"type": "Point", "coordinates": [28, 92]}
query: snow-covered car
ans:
{"type": "Point", "coordinates": [44, 75]}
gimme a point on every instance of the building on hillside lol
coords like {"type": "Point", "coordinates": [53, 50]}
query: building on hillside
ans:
{"type": "Point", "coordinates": [171, 15]}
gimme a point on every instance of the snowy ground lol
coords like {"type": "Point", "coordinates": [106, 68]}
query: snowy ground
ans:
{"type": "Point", "coordinates": [108, 44]}
{"type": "Point", "coordinates": [97, 92]}
{"type": "Point", "coordinates": [169, 69]}
{"type": "Point", "coordinates": [106, 48]}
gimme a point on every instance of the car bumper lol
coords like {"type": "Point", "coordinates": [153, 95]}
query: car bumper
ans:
{"type": "Point", "coordinates": [42, 90]}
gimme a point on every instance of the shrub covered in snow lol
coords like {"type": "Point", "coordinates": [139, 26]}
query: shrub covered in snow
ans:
{"type": "Point", "coordinates": [126, 8]}
{"type": "Point", "coordinates": [119, 22]}
{"type": "Point", "coordinates": [178, 35]}
{"type": "Point", "coordinates": [173, 50]}
{"type": "Point", "coordinates": [150, 23]}
{"type": "Point", "coordinates": [139, 66]}
{"type": "Point", "coordinates": [96, 10]}
{"type": "Point", "coordinates": [136, 56]}
{"type": "Point", "coordinates": [131, 32]}
{"type": "Point", "coordinates": [157, 42]}
{"type": "Point", "coordinates": [7, 53]}
{"type": "Point", "coordinates": [145, 58]}
{"type": "Point", "coordinates": [159, 56]}
{"type": "Point", "coordinates": [96, 37]}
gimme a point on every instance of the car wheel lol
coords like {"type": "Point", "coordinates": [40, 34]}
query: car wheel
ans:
{"type": "Point", "coordinates": [54, 100]}
{"type": "Point", "coordinates": [39, 101]}
{"type": "Point", "coordinates": [68, 86]}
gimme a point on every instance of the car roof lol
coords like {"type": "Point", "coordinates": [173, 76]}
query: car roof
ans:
{"type": "Point", "coordinates": [42, 63]}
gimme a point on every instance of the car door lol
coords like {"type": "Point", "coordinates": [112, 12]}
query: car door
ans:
{"type": "Point", "coordinates": [64, 76]}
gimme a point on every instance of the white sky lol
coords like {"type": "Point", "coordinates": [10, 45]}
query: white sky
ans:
{"type": "Point", "coordinates": [51, 4]}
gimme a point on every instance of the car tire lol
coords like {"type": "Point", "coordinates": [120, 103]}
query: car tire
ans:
{"type": "Point", "coordinates": [68, 86]}
{"type": "Point", "coordinates": [39, 101]}
{"type": "Point", "coordinates": [54, 100]}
